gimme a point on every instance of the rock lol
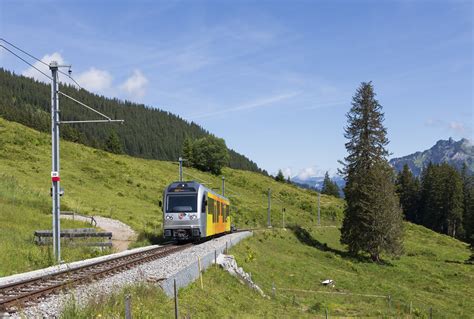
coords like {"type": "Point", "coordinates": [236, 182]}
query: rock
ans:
{"type": "Point", "coordinates": [228, 263]}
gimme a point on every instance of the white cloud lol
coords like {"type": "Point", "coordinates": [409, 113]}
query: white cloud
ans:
{"type": "Point", "coordinates": [32, 73]}
{"type": "Point", "coordinates": [95, 79]}
{"type": "Point", "coordinates": [136, 84]}
{"type": "Point", "coordinates": [260, 102]}
{"type": "Point", "coordinates": [456, 127]}
{"type": "Point", "coordinates": [92, 79]}
{"type": "Point", "coordinates": [307, 172]}
{"type": "Point", "coordinates": [459, 128]}
{"type": "Point", "coordinates": [287, 172]}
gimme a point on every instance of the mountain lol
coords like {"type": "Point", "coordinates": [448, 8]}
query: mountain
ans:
{"type": "Point", "coordinates": [148, 132]}
{"type": "Point", "coordinates": [316, 182]}
{"type": "Point", "coordinates": [455, 153]}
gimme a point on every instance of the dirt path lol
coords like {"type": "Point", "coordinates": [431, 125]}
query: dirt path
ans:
{"type": "Point", "coordinates": [122, 234]}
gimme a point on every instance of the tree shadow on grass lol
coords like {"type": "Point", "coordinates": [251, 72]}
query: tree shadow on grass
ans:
{"type": "Point", "coordinates": [306, 238]}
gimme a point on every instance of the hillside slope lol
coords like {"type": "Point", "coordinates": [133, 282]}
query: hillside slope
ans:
{"type": "Point", "coordinates": [147, 133]}
{"type": "Point", "coordinates": [431, 275]}
{"type": "Point", "coordinates": [432, 272]}
{"type": "Point", "coordinates": [128, 188]}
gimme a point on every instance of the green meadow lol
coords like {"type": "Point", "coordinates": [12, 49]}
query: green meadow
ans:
{"type": "Point", "coordinates": [432, 273]}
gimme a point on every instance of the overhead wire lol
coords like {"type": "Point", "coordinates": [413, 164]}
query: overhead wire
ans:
{"type": "Point", "coordinates": [19, 57]}
{"type": "Point", "coordinates": [50, 78]}
{"type": "Point", "coordinates": [23, 51]}
{"type": "Point", "coordinates": [39, 60]}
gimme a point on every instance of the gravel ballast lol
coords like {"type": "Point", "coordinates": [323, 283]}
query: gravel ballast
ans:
{"type": "Point", "coordinates": [181, 266]}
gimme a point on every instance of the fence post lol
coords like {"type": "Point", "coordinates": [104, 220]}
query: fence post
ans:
{"type": "Point", "coordinates": [128, 313]}
{"type": "Point", "coordinates": [431, 312]}
{"type": "Point", "coordinates": [215, 257]}
{"type": "Point", "coordinates": [327, 315]}
{"type": "Point", "coordinates": [200, 273]}
{"type": "Point", "coordinates": [411, 306]}
{"type": "Point", "coordinates": [226, 248]}
{"type": "Point", "coordinates": [176, 312]}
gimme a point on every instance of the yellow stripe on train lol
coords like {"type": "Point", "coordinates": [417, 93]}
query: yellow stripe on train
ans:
{"type": "Point", "coordinates": [218, 215]}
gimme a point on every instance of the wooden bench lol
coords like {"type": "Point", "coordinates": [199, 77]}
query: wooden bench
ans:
{"type": "Point", "coordinates": [45, 237]}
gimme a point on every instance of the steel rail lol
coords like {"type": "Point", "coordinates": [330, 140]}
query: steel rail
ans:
{"type": "Point", "coordinates": [15, 295]}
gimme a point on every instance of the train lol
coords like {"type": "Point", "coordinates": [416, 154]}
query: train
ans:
{"type": "Point", "coordinates": [191, 211]}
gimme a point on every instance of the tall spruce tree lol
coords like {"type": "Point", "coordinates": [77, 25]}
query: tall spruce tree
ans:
{"type": "Point", "coordinates": [442, 199]}
{"type": "Point", "coordinates": [113, 143]}
{"type": "Point", "coordinates": [280, 177]}
{"type": "Point", "coordinates": [408, 190]}
{"type": "Point", "coordinates": [373, 220]}
{"type": "Point", "coordinates": [468, 204]}
{"type": "Point", "coordinates": [329, 187]}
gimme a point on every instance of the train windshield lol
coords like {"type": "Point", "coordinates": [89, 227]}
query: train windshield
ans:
{"type": "Point", "coordinates": [182, 203]}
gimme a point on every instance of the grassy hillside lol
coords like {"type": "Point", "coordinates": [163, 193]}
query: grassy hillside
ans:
{"type": "Point", "coordinates": [22, 211]}
{"type": "Point", "coordinates": [431, 274]}
{"type": "Point", "coordinates": [127, 188]}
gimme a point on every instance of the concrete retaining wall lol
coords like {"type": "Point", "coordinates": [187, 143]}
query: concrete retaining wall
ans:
{"type": "Point", "coordinates": [189, 274]}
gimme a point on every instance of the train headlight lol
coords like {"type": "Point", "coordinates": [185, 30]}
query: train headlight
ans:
{"type": "Point", "coordinates": [169, 217]}
{"type": "Point", "coordinates": [192, 217]}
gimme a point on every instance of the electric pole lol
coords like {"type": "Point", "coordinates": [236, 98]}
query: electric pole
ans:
{"type": "Point", "coordinates": [319, 209]}
{"type": "Point", "coordinates": [223, 185]}
{"type": "Point", "coordinates": [283, 210]}
{"type": "Point", "coordinates": [55, 177]}
{"type": "Point", "coordinates": [55, 123]}
{"type": "Point", "coordinates": [269, 223]}
{"type": "Point", "coordinates": [180, 169]}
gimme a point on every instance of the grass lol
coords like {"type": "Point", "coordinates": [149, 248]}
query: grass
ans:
{"type": "Point", "coordinates": [23, 211]}
{"type": "Point", "coordinates": [119, 187]}
{"type": "Point", "coordinates": [432, 273]}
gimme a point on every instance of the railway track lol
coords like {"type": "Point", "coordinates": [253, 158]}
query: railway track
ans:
{"type": "Point", "coordinates": [17, 295]}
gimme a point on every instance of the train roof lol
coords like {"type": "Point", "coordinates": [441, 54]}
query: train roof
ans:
{"type": "Point", "coordinates": [191, 186]}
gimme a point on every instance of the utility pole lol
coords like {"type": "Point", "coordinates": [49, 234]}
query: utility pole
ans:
{"type": "Point", "coordinates": [55, 123]}
{"type": "Point", "coordinates": [269, 222]}
{"type": "Point", "coordinates": [283, 210]}
{"type": "Point", "coordinates": [319, 209]}
{"type": "Point", "coordinates": [223, 185]}
{"type": "Point", "coordinates": [180, 159]}
{"type": "Point", "coordinates": [55, 177]}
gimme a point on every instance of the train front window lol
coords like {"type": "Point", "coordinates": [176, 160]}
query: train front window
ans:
{"type": "Point", "coordinates": [182, 203]}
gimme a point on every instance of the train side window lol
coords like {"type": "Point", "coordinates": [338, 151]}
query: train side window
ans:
{"type": "Point", "coordinates": [210, 206]}
{"type": "Point", "coordinates": [216, 211]}
{"type": "Point", "coordinates": [203, 204]}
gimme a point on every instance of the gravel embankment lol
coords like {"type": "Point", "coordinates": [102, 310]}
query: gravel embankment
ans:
{"type": "Point", "coordinates": [167, 267]}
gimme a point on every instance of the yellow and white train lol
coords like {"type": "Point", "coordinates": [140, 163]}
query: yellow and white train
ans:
{"type": "Point", "coordinates": [193, 211]}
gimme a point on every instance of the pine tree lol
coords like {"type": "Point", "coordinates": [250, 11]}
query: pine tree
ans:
{"type": "Point", "coordinates": [468, 205]}
{"type": "Point", "coordinates": [408, 190]}
{"type": "Point", "coordinates": [113, 143]}
{"type": "Point", "coordinates": [329, 187]}
{"type": "Point", "coordinates": [280, 177]}
{"type": "Point", "coordinates": [373, 219]}
{"type": "Point", "coordinates": [442, 199]}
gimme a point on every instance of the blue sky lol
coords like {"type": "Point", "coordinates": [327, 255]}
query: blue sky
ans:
{"type": "Point", "coordinates": [273, 78]}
